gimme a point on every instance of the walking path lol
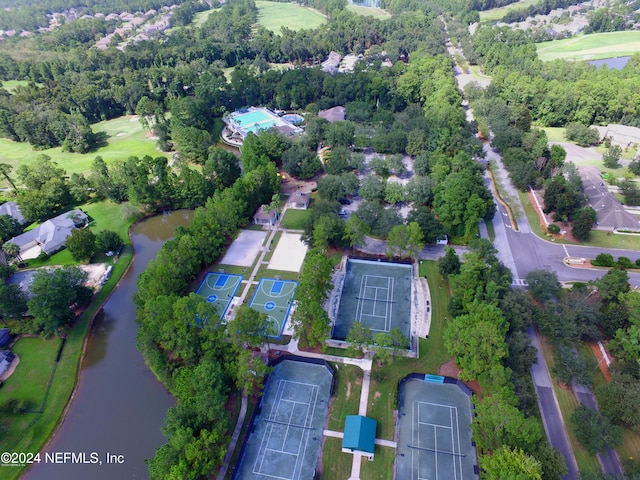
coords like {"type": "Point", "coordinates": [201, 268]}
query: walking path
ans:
{"type": "Point", "coordinates": [234, 438]}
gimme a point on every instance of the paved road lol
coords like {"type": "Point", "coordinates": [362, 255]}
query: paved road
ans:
{"type": "Point", "coordinates": [550, 410]}
{"type": "Point", "coordinates": [610, 462]}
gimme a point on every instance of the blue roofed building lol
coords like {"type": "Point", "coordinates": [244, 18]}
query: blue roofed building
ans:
{"type": "Point", "coordinates": [359, 435]}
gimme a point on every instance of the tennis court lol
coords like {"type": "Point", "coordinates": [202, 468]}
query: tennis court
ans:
{"type": "Point", "coordinates": [275, 298]}
{"type": "Point", "coordinates": [219, 288]}
{"type": "Point", "coordinates": [377, 294]}
{"type": "Point", "coordinates": [434, 433]}
{"type": "Point", "coordinates": [286, 433]}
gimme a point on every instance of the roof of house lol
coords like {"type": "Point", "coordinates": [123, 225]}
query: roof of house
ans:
{"type": "Point", "coordinates": [335, 114]}
{"type": "Point", "coordinates": [5, 336]}
{"type": "Point", "coordinates": [359, 433]}
{"type": "Point", "coordinates": [300, 197]}
{"type": "Point", "coordinates": [262, 214]}
{"type": "Point", "coordinates": [12, 208]}
{"type": "Point", "coordinates": [53, 233]}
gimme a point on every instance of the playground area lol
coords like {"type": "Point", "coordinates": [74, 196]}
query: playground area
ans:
{"type": "Point", "coordinates": [286, 433]}
{"type": "Point", "coordinates": [434, 432]}
{"type": "Point", "coordinates": [377, 294]}
{"type": "Point", "coordinates": [289, 253]}
{"type": "Point", "coordinates": [219, 289]}
{"type": "Point", "coordinates": [244, 249]}
{"type": "Point", "coordinates": [275, 298]}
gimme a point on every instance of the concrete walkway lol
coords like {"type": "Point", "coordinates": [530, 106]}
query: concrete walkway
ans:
{"type": "Point", "coordinates": [365, 364]}
{"type": "Point", "coordinates": [234, 438]}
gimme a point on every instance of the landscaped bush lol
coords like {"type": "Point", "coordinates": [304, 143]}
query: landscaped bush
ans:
{"type": "Point", "coordinates": [638, 263]}
{"type": "Point", "coordinates": [624, 262]}
{"type": "Point", "coordinates": [553, 228]}
{"type": "Point", "coordinates": [603, 260]}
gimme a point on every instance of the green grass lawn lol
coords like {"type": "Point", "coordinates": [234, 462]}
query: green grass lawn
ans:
{"type": "Point", "coordinates": [273, 15]}
{"type": "Point", "coordinates": [295, 219]}
{"type": "Point", "coordinates": [335, 464]}
{"type": "Point", "coordinates": [382, 466]}
{"type": "Point", "coordinates": [369, 12]}
{"type": "Point", "coordinates": [496, 14]}
{"type": "Point", "coordinates": [591, 47]}
{"type": "Point", "coordinates": [201, 17]}
{"type": "Point", "coordinates": [264, 272]}
{"type": "Point", "coordinates": [347, 398]}
{"type": "Point", "coordinates": [10, 85]}
{"type": "Point", "coordinates": [125, 138]}
{"type": "Point", "coordinates": [384, 380]}
{"type": "Point", "coordinates": [104, 215]}
{"type": "Point", "coordinates": [554, 134]}
{"type": "Point", "coordinates": [29, 381]}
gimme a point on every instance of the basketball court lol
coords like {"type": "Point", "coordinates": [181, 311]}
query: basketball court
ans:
{"type": "Point", "coordinates": [286, 434]}
{"type": "Point", "coordinates": [434, 433]}
{"type": "Point", "coordinates": [219, 289]}
{"type": "Point", "coordinates": [275, 298]}
{"type": "Point", "coordinates": [377, 294]}
{"type": "Point", "coordinates": [289, 253]}
{"type": "Point", "coordinates": [245, 248]}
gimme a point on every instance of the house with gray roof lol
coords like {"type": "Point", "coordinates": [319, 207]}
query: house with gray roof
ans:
{"type": "Point", "coordinates": [52, 234]}
{"type": "Point", "coordinates": [12, 209]}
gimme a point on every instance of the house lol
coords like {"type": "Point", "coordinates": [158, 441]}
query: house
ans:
{"type": "Point", "coordinates": [299, 201]}
{"type": "Point", "coordinates": [12, 209]}
{"type": "Point", "coordinates": [335, 114]}
{"type": "Point", "coordinates": [359, 435]}
{"type": "Point", "coordinates": [5, 337]}
{"type": "Point", "coordinates": [51, 235]}
{"type": "Point", "coordinates": [265, 217]}
{"type": "Point", "coordinates": [330, 65]}
{"type": "Point", "coordinates": [6, 357]}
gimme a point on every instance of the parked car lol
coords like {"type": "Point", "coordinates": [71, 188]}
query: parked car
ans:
{"type": "Point", "coordinates": [344, 201]}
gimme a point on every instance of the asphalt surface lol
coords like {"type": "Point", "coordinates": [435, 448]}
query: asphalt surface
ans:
{"type": "Point", "coordinates": [550, 410]}
{"type": "Point", "coordinates": [609, 461]}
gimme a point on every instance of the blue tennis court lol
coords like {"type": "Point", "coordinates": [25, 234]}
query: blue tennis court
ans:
{"type": "Point", "coordinates": [219, 289]}
{"type": "Point", "coordinates": [275, 298]}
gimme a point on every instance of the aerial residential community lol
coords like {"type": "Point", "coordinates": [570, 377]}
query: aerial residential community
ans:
{"type": "Point", "coordinates": [378, 240]}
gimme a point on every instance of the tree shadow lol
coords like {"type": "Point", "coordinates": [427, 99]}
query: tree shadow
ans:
{"type": "Point", "coordinates": [100, 139]}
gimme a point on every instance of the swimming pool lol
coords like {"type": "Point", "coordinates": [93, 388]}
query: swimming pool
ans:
{"type": "Point", "coordinates": [261, 126]}
{"type": "Point", "coordinates": [293, 118]}
{"type": "Point", "coordinates": [251, 118]}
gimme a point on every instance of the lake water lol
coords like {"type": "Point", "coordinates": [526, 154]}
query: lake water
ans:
{"type": "Point", "coordinates": [616, 63]}
{"type": "Point", "coordinates": [119, 406]}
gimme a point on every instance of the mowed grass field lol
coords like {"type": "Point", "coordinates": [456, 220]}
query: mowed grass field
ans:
{"type": "Point", "coordinates": [591, 47]}
{"type": "Point", "coordinates": [273, 15]}
{"type": "Point", "coordinates": [369, 11]}
{"type": "Point", "coordinates": [496, 14]}
{"type": "Point", "coordinates": [125, 137]}
{"type": "Point", "coordinates": [10, 85]}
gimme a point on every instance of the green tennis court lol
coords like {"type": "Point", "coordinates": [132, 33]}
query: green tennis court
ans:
{"type": "Point", "coordinates": [286, 434]}
{"type": "Point", "coordinates": [219, 288]}
{"type": "Point", "coordinates": [434, 431]}
{"type": "Point", "coordinates": [275, 298]}
{"type": "Point", "coordinates": [377, 294]}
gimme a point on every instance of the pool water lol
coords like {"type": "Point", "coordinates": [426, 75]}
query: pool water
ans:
{"type": "Point", "coordinates": [251, 118]}
{"type": "Point", "coordinates": [261, 126]}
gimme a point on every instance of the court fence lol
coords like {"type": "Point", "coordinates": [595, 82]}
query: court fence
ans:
{"type": "Point", "coordinates": [258, 410]}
